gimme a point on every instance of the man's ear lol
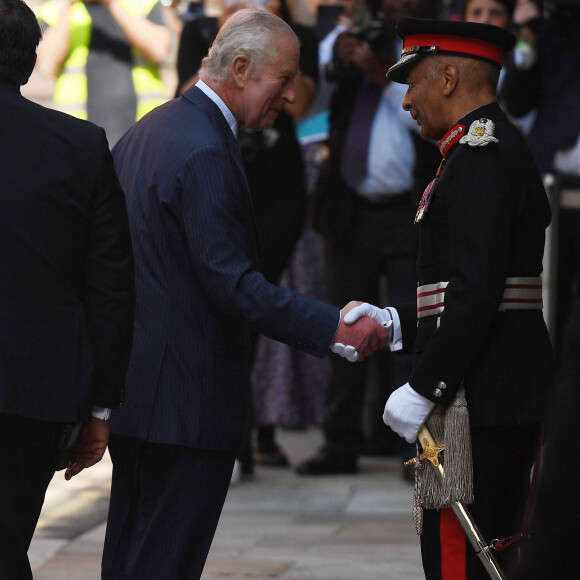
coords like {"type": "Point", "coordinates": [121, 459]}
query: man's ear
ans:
{"type": "Point", "coordinates": [451, 77]}
{"type": "Point", "coordinates": [241, 70]}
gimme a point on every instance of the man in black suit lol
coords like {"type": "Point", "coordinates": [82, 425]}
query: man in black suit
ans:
{"type": "Point", "coordinates": [199, 294]}
{"type": "Point", "coordinates": [66, 292]}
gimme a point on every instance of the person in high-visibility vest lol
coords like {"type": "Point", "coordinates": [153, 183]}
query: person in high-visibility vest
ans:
{"type": "Point", "coordinates": [105, 56]}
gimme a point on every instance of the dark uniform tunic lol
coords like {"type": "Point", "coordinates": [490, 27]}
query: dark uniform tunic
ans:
{"type": "Point", "coordinates": [485, 222]}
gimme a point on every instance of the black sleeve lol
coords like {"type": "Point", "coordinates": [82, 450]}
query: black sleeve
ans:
{"type": "Point", "coordinates": [109, 284]}
{"type": "Point", "coordinates": [521, 89]}
{"type": "Point", "coordinates": [308, 51]}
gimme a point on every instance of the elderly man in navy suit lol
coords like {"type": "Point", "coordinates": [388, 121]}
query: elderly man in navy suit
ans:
{"type": "Point", "coordinates": [199, 294]}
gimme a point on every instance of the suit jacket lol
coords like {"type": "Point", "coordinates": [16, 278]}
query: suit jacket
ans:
{"type": "Point", "coordinates": [67, 284]}
{"type": "Point", "coordinates": [198, 293]}
{"type": "Point", "coordinates": [485, 222]}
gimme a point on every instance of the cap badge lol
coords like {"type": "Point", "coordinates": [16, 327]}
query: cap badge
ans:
{"type": "Point", "coordinates": [480, 134]}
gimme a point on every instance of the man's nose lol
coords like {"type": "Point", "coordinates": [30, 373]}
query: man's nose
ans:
{"type": "Point", "coordinates": [289, 92]}
{"type": "Point", "coordinates": [406, 104]}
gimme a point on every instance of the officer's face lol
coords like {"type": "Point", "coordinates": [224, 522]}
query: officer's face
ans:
{"type": "Point", "coordinates": [424, 98]}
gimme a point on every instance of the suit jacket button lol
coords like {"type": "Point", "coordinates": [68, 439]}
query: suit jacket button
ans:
{"type": "Point", "coordinates": [441, 385]}
{"type": "Point", "coordinates": [437, 392]}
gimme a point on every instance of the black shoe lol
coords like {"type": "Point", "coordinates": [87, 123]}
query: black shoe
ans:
{"type": "Point", "coordinates": [325, 463]}
{"type": "Point", "coordinates": [270, 455]}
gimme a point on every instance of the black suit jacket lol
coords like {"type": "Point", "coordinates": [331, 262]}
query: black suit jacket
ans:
{"type": "Point", "coordinates": [198, 292]}
{"type": "Point", "coordinates": [67, 284]}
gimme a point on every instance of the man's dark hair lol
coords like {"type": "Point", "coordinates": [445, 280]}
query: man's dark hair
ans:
{"type": "Point", "coordinates": [19, 37]}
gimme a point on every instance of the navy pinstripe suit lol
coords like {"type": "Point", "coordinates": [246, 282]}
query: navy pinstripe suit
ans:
{"type": "Point", "coordinates": [198, 295]}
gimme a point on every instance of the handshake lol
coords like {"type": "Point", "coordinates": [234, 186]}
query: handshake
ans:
{"type": "Point", "coordinates": [363, 329]}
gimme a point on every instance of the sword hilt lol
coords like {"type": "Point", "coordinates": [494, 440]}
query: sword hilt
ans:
{"type": "Point", "coordinates": [431, 449]}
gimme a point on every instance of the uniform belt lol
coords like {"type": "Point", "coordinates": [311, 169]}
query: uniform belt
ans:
{"type": "Point", "coordinates": [519, 294]}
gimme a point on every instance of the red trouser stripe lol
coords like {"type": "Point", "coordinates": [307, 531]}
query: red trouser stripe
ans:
{"type": "Point", "coordinates": [453, 546]}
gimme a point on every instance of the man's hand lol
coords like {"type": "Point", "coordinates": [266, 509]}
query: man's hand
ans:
{"type": "Point", "coordinates": [345, 46]}
{"type": "Point", "coordinates": [405, 412]}
{"type": "Point", "coordinates": [526, 14]}
{"type": "Point", "coordinates": [360, 339]}
{"type": "Point", "coordinates": [90, 447]}
{"type": "Point", "coordinates": [352, 312]}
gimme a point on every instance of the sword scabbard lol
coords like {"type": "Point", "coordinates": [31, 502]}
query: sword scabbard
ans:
{"type": "Point", "coordinates": [484, 552]}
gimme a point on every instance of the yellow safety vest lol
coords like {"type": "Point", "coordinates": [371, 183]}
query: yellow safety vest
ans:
{"type": "Point", "coordinates": [70, 92]}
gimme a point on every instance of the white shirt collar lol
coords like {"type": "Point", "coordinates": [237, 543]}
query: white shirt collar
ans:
{"type": "Point", "coordinates": [210, 93]}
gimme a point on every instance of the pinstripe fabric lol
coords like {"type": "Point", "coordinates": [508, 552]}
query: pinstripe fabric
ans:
{"type": "Point", "coordinates": [198, 292]}
{"type": "Point", "coordinates": [165, 505]}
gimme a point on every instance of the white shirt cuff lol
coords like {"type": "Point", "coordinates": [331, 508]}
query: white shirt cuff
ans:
{"type": "Point", "coordinates": [101, 413]}
{"type": "Point", "coordinates": [395, 336]}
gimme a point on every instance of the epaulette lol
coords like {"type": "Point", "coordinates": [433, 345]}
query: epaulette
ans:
{"type": "Point", "coordinates": [480, 134]}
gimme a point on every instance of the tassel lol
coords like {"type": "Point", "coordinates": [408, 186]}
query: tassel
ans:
{"type": "Point", "coordinates": [458, 459]}
{"type": "Point", "coordinates": [450, 426]}
{"type": "Point", "coordinates": [417, 509]}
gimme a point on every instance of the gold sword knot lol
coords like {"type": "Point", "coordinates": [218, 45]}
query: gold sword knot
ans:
{"type": "Point", "coordinates": [430, 453]}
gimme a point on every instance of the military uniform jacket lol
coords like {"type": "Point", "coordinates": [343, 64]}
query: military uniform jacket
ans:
{"type": "Point", "coordinates": [485, 222]}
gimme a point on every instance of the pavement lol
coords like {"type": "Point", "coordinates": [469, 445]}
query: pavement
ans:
{"type": "Point", "coordinates": [275, 525]}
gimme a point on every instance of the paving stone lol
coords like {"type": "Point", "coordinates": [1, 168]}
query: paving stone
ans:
{"type": "Point", "coordinates": [276, 525]}
{"type": "Point", "coordinates": [247, 568]}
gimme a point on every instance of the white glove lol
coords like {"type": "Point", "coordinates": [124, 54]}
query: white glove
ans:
{"type": "Point", "coordinates": [381, 315]}
{"type": "Point", "coordinates": [346, 351]}
{"type": "Point", "coordinates": [405, 412]}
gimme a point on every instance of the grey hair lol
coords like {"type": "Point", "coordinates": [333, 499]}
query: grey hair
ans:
{"type": "Point", "coordinates": [477, 72]}
{"type": "Point", "coordinates": [247, 32]}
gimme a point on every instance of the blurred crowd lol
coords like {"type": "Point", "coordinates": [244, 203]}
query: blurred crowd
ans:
{"type": "Point", "coordinates": [336, 181]}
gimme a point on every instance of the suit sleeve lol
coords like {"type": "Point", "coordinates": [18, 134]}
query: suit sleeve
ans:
{"type": "Point", "coordinates": [109, 284]}
{"type": "Point", "coordinates": [218, 222]}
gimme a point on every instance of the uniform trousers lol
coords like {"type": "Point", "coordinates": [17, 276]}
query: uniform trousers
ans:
{"type": "Point", "coordinates": [166, 501]}
{"type": "Point", "coordinates": [502, 460]}
{"type": "Point", "coordinates": [27, 465]}
{"type": "Point", "coordinates": [380, 245]}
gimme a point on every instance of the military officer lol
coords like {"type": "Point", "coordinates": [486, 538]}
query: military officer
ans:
{"type": "Point", "coordinates": [478, 324]}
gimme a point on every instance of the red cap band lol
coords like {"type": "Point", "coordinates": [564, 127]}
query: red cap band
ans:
{"type": "Point", "coordinates": [459, 44]}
